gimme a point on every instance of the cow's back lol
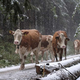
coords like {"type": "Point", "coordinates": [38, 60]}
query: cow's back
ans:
{"type": "Point", "coordinates": [44, 42]}
{"type": "Point", "coordinates": [31, 40]}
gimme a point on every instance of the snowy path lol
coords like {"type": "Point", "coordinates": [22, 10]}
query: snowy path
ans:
{"type": "Point", "coordinates": [13, 73]}
{"type": "Point", "coordinates": [29, 74]}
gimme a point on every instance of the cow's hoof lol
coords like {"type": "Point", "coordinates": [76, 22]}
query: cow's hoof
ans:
{"type": "Point", "coordinates": [41, 60]}
{"type": "Point", "coordinates": [56, 60]}
{"type": "Point", "coordinates": [31, 61]}
{"type": "Point", "coordinates": [37, 62]}
{"type": "Point", "coordinates": [65, 58]}
{"type": "Point", "coordinates": [22, 67]}
{"type": "Point", "coordinates": [52, 60]}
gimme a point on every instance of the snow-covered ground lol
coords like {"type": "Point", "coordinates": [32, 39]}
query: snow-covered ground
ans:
{"type": "Point", "coordinates": [78, 78]}
{"type": "Point", "coordinates": [29, 73]}
{"type": "Point", "coordinates": [25, 74]}
{"type": "Point", "coordinates": [63, 74]}
{"type": "Point", "coordinates": [28, 66]}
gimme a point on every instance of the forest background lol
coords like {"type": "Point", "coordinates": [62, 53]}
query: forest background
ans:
{"type": "Point", "coordinates": [47, 16]}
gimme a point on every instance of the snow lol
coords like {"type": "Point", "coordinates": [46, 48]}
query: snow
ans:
{"type": "Point", "coordinates": [57, 75]}
{"type": "Point", "coordinates": [7, 72]}
{"type": "Point", "coordinates": [70, 59]}
{"type": "Point", "coordinates": [74, 68]}
{"type": "Point", "coordinates": [26, 74]}
{"type": "Point", "coordinates": [27, 66]}
{"type": "Point", "coordinates": [78, 78]}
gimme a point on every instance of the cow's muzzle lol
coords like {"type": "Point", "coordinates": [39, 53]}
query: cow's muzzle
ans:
{"type": "Point", "coordinates": [16, 42]}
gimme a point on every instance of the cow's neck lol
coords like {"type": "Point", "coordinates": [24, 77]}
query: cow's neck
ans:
{"type": "Point", "coordinates": [18, 46]}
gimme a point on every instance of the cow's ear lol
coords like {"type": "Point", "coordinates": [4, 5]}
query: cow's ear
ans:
{"type": "Point", "coordinates": [57, 37]}
{"type": "Point", "coordinates": [25, 33]}
{"type": "Point", "coordinates": [67, 39]}
{"type": "Point", "coordinates": [11, 32]}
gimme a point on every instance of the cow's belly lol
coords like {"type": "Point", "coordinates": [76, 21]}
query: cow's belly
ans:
{"type": "Point", "coordinates": [25, 51]}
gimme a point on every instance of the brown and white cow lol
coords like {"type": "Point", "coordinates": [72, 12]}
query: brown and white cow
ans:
{"type": "Point", "coordinates": [59, 43]}
{"type": "Point", "coordinates": [46, 46]}
{"type": "Point", "coordinates": [77, 46]}
{"type": "Point", "coordinates": [27, 41]}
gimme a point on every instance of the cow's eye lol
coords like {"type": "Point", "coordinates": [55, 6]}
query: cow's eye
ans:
{"type": "Point", "coordinates": [67, 39]}
{"type": "Point", "coordinates": [57, 37]}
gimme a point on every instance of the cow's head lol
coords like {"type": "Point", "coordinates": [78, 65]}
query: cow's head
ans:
{"type": "Point", "coordinates": [18, 35]}
{"type": "Point", "coordinates": [62, 40]}
{"type": "Point", "coordinates": [49, 38]}
{"type": "Point", "coordinates": [76, 43]}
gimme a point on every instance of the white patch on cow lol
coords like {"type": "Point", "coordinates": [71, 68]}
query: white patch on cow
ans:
{"type": "Point", "coordinates": [31, 53]}
{"type": "Point", "coordinates": [75, 44]}
{"type": "Point", "coordinates": [17, 51]}
{"type": "Point", "coordinates": [62, 43]}
{"type": "Point", "coordinates": [49, 38]}
{"type": "Point", "coordinates": [17, 37]}
{"type": "Point", "coordinates": [49, 47]}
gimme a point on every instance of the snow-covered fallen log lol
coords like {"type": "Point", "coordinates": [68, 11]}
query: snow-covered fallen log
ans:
{"type": "Point", "coordinates": [78, 78]}
{"type": "Point", "coordinates": [71, 73]}
{"type": "Point", "coordinates": [54, 65]}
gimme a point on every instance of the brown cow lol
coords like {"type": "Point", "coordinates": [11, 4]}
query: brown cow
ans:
{"type": "Point", "coordinates": [46, 46]}
{"type": "Point", "coordinates": [77, 46]}
{"type": "Point", "coordinates": [27, 41]}
{"type": "Point", "coordinates": [59, 44]}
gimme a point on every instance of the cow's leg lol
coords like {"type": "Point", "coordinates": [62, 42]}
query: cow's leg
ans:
{"type": "Point", "coordinates": [31, 56]}
{"type": "Point", "coordinates": [60, 54]}
{"type": "Point", "coordinates": [37, 51]}
{"type": "Point", "coordinates": [52, 57]}
{"type": "Point", "coordinates": [37, 58]}
{"type": "Point", "coordinates": [76, 51]}
{"type": "Point", "coordinates": [22, 64]}
{"type": "Point", "coordinates": [65, 53]}
{"type": "Point", "coordinates": [42, 56]}
{"type": "Point", "coordinates": [36, 54]}
{"type": "Point", "coordinates": [55, 54]}
{"type": "Point", "coordinates": [17, 50]}
{"type": "Point", "coordinates": [22, 59]}
{"type": "Point", "coordinates": [46, 55]}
